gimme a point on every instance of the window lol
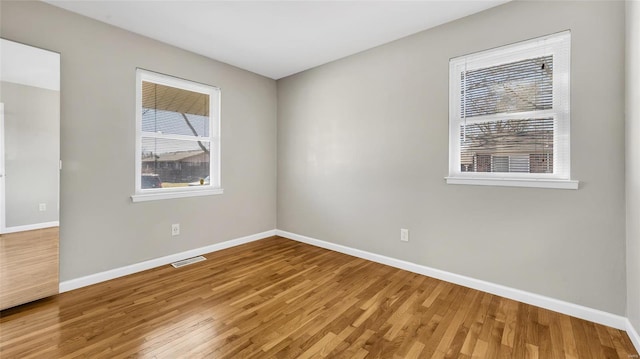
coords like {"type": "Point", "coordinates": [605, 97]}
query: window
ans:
{"type": "Point", "coordinates": [509, 115]}
{"type": "Point", "coordinates": [177, 138]}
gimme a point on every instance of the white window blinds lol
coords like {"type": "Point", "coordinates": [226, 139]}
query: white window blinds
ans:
{"type": "Point", "coordinates": [509, 111]}
{"type": "Point", "coordinates": [525, 85]}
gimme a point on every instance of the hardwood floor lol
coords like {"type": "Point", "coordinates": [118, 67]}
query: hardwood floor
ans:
{"type": "Point", "coordinates": [277, 298]}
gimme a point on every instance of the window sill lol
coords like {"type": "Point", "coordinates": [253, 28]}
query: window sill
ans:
{"type": "Point", "coordinates": [513, 182]}
{"type": "Point", "coordinates": [178, 194]}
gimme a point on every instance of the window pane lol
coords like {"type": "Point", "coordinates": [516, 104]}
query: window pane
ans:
{"type": "Point", "coordinates": [174, 163]}
{"type": "Point", "coordinates": [524, 146]}
{"type": "Point", "coordinates": [170, 110]}
{"type": "Point", "coordinates": [519, 86]}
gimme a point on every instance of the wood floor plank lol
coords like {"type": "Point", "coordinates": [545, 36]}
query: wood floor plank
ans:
{"type": "Point", "coordinates": [277, 298]}
{"type": "Point", "coordinates": [557, 337]}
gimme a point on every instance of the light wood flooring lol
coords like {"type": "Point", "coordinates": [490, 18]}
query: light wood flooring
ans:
{"type": "Point", "coordinates": [277, 298]}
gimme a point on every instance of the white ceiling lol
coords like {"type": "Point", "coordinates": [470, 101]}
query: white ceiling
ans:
{"type": "Point", "coordinates": [276, 38]}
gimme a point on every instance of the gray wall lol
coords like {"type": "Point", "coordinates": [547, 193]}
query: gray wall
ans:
{"type": "Point", "coordinates": [363, 150]}
{"type": "Point", "coordinates": [32, 151]}
{"type": "Point", "coordinates": [633, 163]}
{"type": "Point", "coordinates": [100, 228]}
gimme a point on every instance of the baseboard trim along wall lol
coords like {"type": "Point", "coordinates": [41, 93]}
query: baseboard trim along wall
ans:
{"type": "Point", "coordinates": [76, 283]}
{"type": "Point", "coordinates": [594, 315]}
{"type": "Point", "coordinates": [633, 334]}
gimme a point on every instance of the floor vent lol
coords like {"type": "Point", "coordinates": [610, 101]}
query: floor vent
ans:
{"type": "Point", "coordinates": [187, 261]}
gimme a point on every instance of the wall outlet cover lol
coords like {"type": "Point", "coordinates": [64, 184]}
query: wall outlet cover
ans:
{"type": "Point", "coordinates": [404, 234]}
{"type": "Point", "coordinates": [175, 229]}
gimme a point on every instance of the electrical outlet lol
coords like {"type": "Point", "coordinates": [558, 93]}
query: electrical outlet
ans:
{"type": "Point", "coordinates": [42, 207]}
{"type": "Point", "coordinates": [404, 234]}
{"type": "Point", "coordinates": [175, 229]}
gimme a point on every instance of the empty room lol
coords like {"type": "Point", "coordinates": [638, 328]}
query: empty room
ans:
{"type": "Point", "coordinates": [306, 179]}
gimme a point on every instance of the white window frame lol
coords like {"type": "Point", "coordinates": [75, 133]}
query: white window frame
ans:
{"type": "Point", "coordinates": [557, 45]}
{"type": "Point", "coordinates": [214, 187]}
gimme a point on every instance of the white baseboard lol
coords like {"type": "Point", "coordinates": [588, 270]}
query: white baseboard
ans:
{"type": "Point", "coordinates": [633, 335]}
{"type": "Point", "coordinates": [30, 227]}
{"type": "Point", "coordinates": [594, 315]}
{"type": "Point", "coordinates": [139, 267]}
